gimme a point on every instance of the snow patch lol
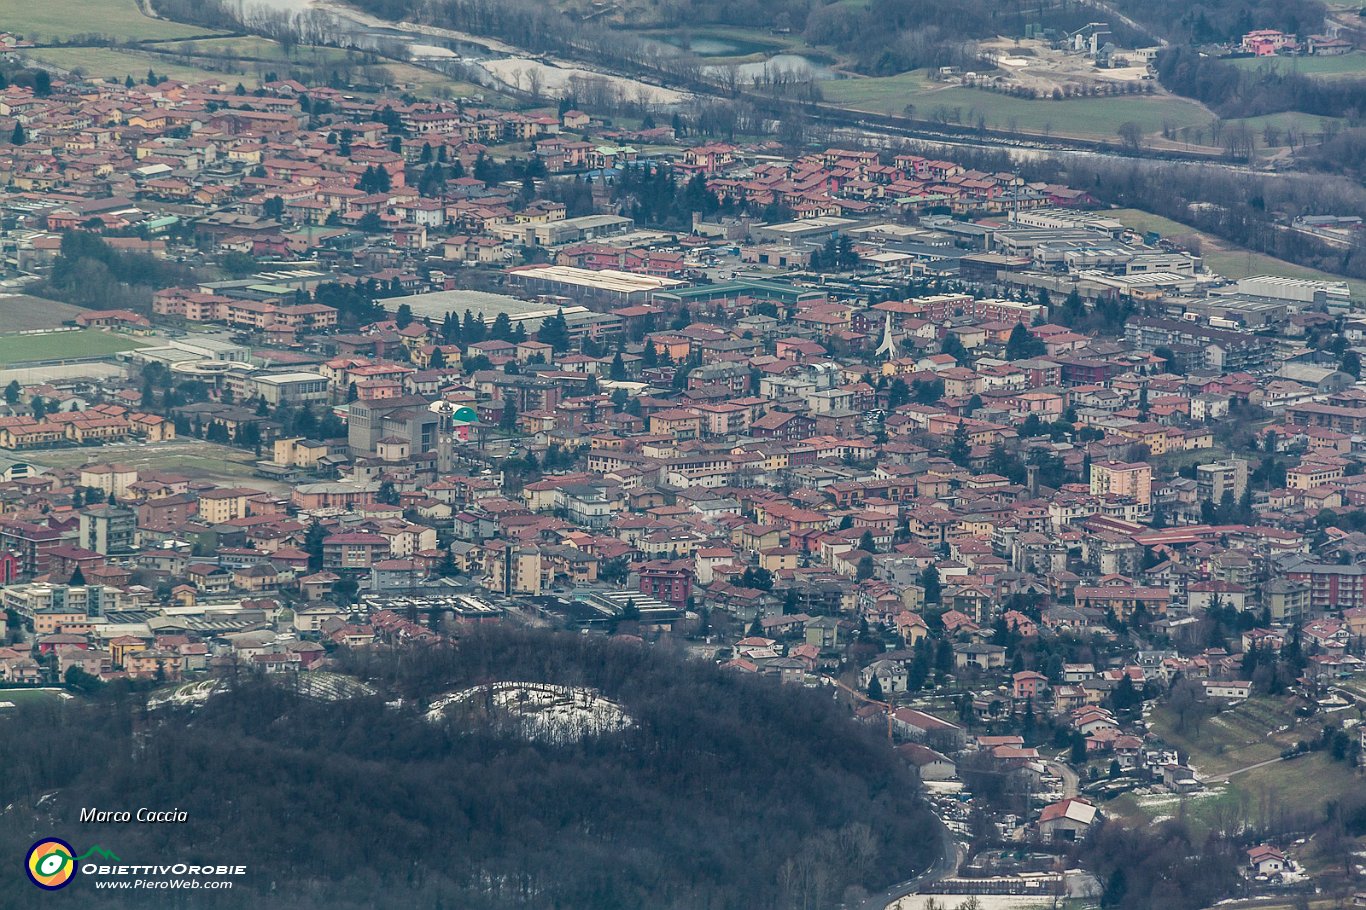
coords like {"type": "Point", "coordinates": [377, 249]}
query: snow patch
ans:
{"type": "Point", "coordinates": [538, 710]}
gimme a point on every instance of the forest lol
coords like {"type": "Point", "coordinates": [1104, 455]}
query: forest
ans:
{"type": "Point", "coordinates": [1270, 89]}
{"type": "Point", "coordinates": [726, 792]}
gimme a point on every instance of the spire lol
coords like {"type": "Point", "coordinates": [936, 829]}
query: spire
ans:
{"type": "Point", "coordinates": [889, 343]}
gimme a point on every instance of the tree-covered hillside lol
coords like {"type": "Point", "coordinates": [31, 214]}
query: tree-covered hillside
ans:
{"type": "Point", "coordinates": [726, 791]}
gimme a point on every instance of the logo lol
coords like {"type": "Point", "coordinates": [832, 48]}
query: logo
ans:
{"type": "Point", "coordinates": [51, 864]}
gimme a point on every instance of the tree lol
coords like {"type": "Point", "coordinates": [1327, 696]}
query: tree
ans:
{"type": "Point", "coordinates": [313, 545]}
{"type": "Point", "coordinates": [39, 407]}
{"type": "Point", "coordinates": [437, 360]}
{"type": "Point", "coordinates": [18, 137]}
{"type": "Point", "coordinates": [1078, 748]}
{"type": "Point", "coordinates": [554, 331]}
{"type": "Point", "coordinates": [929, 580]}
{"type": "Point", "coordinates": [617, 371]}
{"type": "Point", "coordinates": [13, 391]}
{"type": "Point", "coordinates": [875, 688]}
{"type": "Point", "coordinates": [1023, 345]}
{"type": "Point", "coordinates": [403, 317]}
{"type": "Point", "coordinates": [959, 449]}
{"type": "Point", "coordinates": [508, 421]}
{"type": "Point", "coordinates": [953, 346]}
{"type": "Point", "coordinates": [273, 208]}
{"type": "Point", "coordinates": [866, 542]}
{"type": "Point", "coordinates": [1131, 133]}
{"type": "Point", "coordinates": [77, 578]}
{"type": "Point", "coordinates": [865, 569]}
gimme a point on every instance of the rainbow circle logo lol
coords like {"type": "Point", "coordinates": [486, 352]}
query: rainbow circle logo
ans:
{"type": "Point", "coordinates": [51, 864]}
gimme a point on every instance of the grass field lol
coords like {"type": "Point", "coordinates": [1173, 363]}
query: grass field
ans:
{"type": "Point", "coordinates": [192, 457]}
{"type": "Point", "coordinates": [119, 19]}
{"type": "Point", "coordinates": [1091, 118]}
{"type": "Point", "coordinates": [33, 696]}
{"type": "Point", "coordinates": [1236, 738]}
{"type": "Point", "coordinates": [1348, 65]}
{"type": "Point", "coordinates": [105, 62]}
{"type": "Point", "coordinates": [63, 345]}
{"type": "Point", "coordinates": [882, 94]}
{"type": "Point", "coordinates": [1227, 260]}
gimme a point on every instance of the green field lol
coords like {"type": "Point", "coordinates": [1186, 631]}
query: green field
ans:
{"type": "Point", "coordinates": [33, 696]}
{"type": "Point", "coordinates": [121, 19]}
{"type": "Point", "coordinates": [1227, 260]}
{"type": "Point", "coordinates": [882, 94]}
{"type": "Point", "coordinates": [1092, 118]}
{"type": "Point", "coordinates": [105, 62]}
{"type": "Point", "coordinates": [63, 345]}
{"type": "Point", "coordinates": [221, 464]}
{"type": "Point", "coordinates": [1234, 739]}
{"type": "Point", "coordinates": [1353, 64]}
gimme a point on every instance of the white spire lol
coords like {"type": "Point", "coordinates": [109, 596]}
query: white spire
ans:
{"type": "Point", "coordinates": [888, 345]}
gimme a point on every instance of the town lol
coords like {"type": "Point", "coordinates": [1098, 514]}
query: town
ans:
{"type": "Point", "coordinates": [1074, 521]}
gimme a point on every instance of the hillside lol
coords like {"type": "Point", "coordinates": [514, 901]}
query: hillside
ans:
{"type": "Point", "coordinates": [718, 789]}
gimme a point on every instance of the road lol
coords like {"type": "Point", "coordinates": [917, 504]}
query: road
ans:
{"type": "Point", "coordinates": [1261, 764]}
{"type": "Point", "coordinates": [1070, 782]}
{"type": "Point", "coordinates": [944, 866]}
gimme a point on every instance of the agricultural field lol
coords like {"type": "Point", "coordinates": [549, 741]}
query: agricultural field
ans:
{"type": "Point", "coordinates": [60, 19]}
{"type": "Point", "coordinates": [63, 345]}
{"type": "Point", "coordinates": [1345, 66]}
{"type": "Point", "coordinates": [1237, 753]}
{"type": "Point", "coordinates": [1222, 257]}
{"type": "Point", "coordinates": [879, 94]}
{"type": "Point", "coordinates": [1089, 118]}
{"type": "Point", "coordinates": [22, 312]}
{"type": "Point", "coordinates": [116, 63]}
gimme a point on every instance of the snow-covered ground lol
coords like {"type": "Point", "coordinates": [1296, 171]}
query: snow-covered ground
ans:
{"type": "Point", "coordinates": [984, 901]}
{"type": "Point", "coordinates": [319, 686]}
{"type": "Point", "coordinates": [546, 712]}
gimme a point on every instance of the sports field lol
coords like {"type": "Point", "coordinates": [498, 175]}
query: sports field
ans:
{"type": "Point", "coordinates": [63, 345]}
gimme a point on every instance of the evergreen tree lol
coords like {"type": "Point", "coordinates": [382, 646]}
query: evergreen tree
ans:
{"type": "Point", "coordinates": [18, 137]}
{"type": "Point", "coordinates": [866, 542]}
{"type": "Point", "coordinates": [959, 449]}
{"type": "Point", "coordinates": [929, 580]}
{"type": "Point", "coordinates": [875, 688]}
{"type": "Point", "coordinates": [554, 331]}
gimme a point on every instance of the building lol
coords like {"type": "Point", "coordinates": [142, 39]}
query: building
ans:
{"type": "Point", "coordinates": [291, 388]}
{"type": "Point", "coordinates": [1067, 820]}
{"type": "Point", "coordinates": [108, 529]}
{"type": "Point", "coordinates": [1287, 601]}
{"type": "Point", "coordinates": [1218, 478]}
{"type": "Point", "coordinates": [667, 580]}
{"type": "Point", "coordinates": [1331, 587]}
{"type": "Point", "coordinates": [31, 544]}
{"type": "Point", "coordinates": [1124, 480]}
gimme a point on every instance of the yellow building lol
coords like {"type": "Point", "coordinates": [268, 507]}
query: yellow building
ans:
{"type": "Point", "coordinates": [1128, 481]}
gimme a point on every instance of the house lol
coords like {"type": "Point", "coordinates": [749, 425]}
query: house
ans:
{"type": "Point", "coordinates": [1067, 819]}
{"type": "Point", "coordinates": [1028, 684]}
{"type": "Point", "coordinates": [1265, 859]}
{"type": "Point", "coordinates": [1231, 689]}
{"type": "Point", "coordinates": [981, 657]}
{"type": "Point", "coordinates": [891, 676]}
{"type": "Point", "coordinates": [930, 764]}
